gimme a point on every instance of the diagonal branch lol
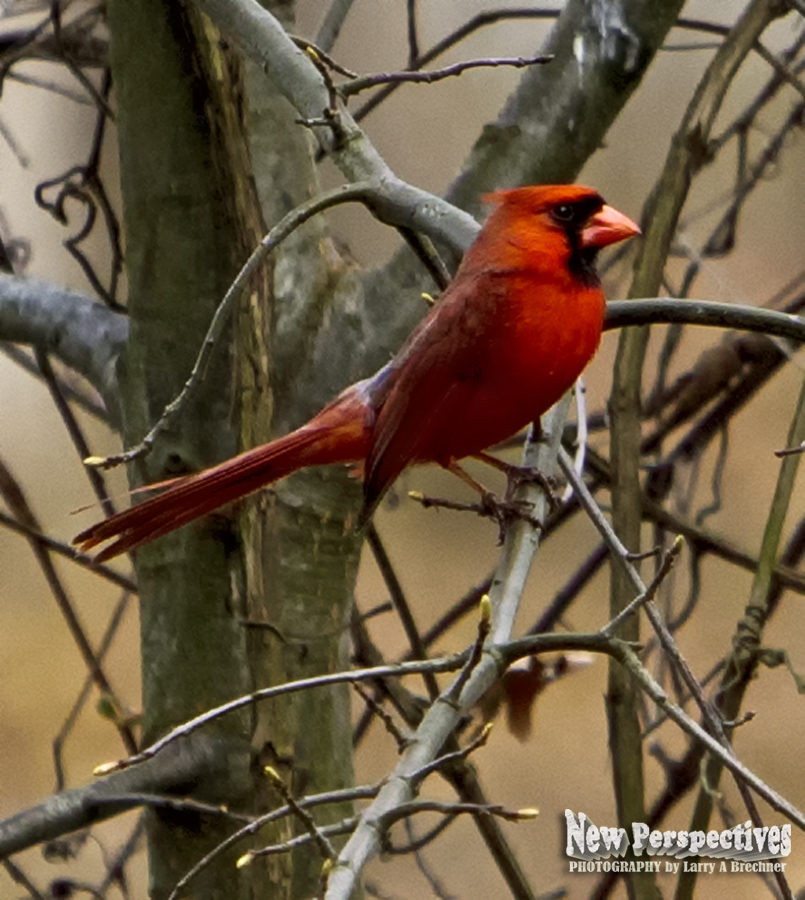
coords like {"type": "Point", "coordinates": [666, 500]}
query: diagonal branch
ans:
{"type": "Point", "coordinates": [188, 763]}
{"type": "Point", "coordinates": [520, 546]}
{"type": "Point", "coordinates": [262, 38]}
{"type": "Point", "coordinates": [749, 631]}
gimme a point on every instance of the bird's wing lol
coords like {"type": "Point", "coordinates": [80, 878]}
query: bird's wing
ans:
{"type": "Point", "coordinates": [428, 381]}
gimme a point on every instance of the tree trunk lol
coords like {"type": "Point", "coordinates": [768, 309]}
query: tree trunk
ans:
{"type": "Point", "coordinates": [187, 186]}
{"type": "Point", "coordinates": [184, 237]}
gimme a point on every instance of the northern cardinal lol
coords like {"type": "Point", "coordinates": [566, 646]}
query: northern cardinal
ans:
{"type": "Point", "coordinates": [509, 336]}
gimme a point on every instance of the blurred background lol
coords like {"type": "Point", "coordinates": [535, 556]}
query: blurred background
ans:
{"type": "Point", "coordinates": [424, 133]}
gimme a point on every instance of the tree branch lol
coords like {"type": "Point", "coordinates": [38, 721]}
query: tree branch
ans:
{"type": "Point", "coordinates": [263, 39]}
{"type": "Point", "coordinates": [189, 763]}
{"type": "Point", "coordinates": [365, 82]}
{"type": "Point", "coordinates": [669, 310]}
{"type": "Point", "coordinates": [522, 540]}
{"type": "Point", "coordinates": [78, 331]}
{"type": "Point", "coordinates": [559, 114]}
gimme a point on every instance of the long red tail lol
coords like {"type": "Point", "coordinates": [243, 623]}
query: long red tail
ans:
{"type": "Point", "coordinates": [339, 433]}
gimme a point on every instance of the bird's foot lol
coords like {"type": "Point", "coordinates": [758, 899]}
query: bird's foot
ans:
{"type": "Point", "coordinates": [519, 475]}
{"type": "Point", "coordinates": [505, 510]}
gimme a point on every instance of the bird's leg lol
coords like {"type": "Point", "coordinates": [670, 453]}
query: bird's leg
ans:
{"type": "Point", "coordinates": [465, 476]}
{"type": "Point", "coordinates": [517, 475]}
{"type": "Point", "coordinates": [502, 510]}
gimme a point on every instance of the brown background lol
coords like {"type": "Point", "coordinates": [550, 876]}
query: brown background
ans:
{"type": "Point", "coordinates": [424, 133]}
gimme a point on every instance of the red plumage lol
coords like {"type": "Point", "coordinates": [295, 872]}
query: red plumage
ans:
{"type": "Point", "coordinates": [509, 336]}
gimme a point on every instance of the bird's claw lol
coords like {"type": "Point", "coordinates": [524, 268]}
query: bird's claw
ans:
{"type": "Point", "coordinates": [505, 510]}
{"type": "Point", "coordinates": [519, 475]}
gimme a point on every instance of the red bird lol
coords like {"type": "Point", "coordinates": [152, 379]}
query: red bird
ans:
{"type": "Point", "coordinates": [509, 336]}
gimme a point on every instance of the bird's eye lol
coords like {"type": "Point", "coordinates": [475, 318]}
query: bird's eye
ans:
{"type": "Point", "coordinates": [564, 213]}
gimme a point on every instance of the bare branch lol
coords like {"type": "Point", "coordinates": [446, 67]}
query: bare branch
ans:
{"type": "Point", "coordinates": [14, 496]}
{"type": "Point", "coordinates": [69, 552]}
{"type": "Point", "coordinates": [275, 237]}
{"type": "Point", "coordinates": [545, 133]}
{"type": "Point", "coordinates": [445, 664]}
{"type": "Point", "coordinates": [83, 399]}
{"type": "Point", "coordinates": [71, 326]}
{"type": "Point", "coordinates": [703, 540]}
{"type": "Point", "coordinates": [330, 797]}
{"type": "Point", "coordinates": [623, 313]}
{"type": "Point", "coordinates": [332, 23]}
{"type": "Point", "coordinates": [338, 828]}
{"type": "Point", "coordinates": [365, 82]}
{"type": "Point", "coordinates": [453, 809]}
{"type": "Point", "coordinates": [649, 592]}
{"type": "Point", "coordinates": [22, 879]}
{"type": "Point", "coordinates": [644, 594]}
{"type": "Point", "coordinates": [190, 762]}
{"type": "Point", "coordinates": [261, 37]}
{"type": "Point", "coordinates": [624, 653]}
{"type": "Point", "coordinates": [401, 606]}
{"type": "Point", "coordinates": [749, 631]}
{"type": "Point", "coordinates": [325, 848]}
{"type": "Point", "coordinates": [73, 428]}
{"type": "Point", "coordinates": [488, 17]}
{"type": "Point", "coordinates": [84, 694]}
{"type": "Point", "coordinates": [521, 543]}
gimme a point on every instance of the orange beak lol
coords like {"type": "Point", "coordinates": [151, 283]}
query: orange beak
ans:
{"type": "Point", "coordinates": [607, 226]}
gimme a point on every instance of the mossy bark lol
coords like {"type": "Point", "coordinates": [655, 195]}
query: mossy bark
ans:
{"type": "Point", "coordinates": [300, 548]}
{"type": "Point", "coordinates": [184, 235]}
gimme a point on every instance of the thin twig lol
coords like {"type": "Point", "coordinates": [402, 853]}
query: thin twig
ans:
{"type": "Point", "coordinates": [24, 361]}
{"type": "Point", "coordinates": [648, 594]}
{"type": "Point", "coordinates": [492, 809]}
{"type": "Point", "coordinates": [419, 843]}
{"type": "Point", "coordinates": [365, 82]}
{"type": "Point", "coordinates": [115, 873]}
{"type": "Point", "coordinates": [73, 429]}
{"type": "Point", "coordinates": [444, 664]}
{"type": "Point", "coordinates": [703, 540]}
{"type": "Point", "coordinates": [620, 553]}
{"type": "Point", "coordinates": [345, 826]}
{"type": "Point", "coordinates": [72, 716]}
{"type": "Point", "coordinates": [449, 759]}
{"type": "Point", "coordinates": [433, 880]}
{"type": "Point", "coordinates": [625, 654]}
{"type": "Point", "coordinates": [15, 498]}
{"type": "Point", "coordinates": [17, 875]}
{"type": "Point", "coordinates": [325, 848]}
{"type": "Point", "coordinates": [477, 22]}
{"type": "Point", "coordinates": [179, 804]}
{"type": "Point", "coordinates": [484, 628]}
{"type": "Point", "coordinates": [744, 659]}
{"type": "Point", "coordinates": [345, 795]}
{"type": "Point", "coordinates": [401, 605]}
{"type": "Point", "coordinates": [323, 56]}
{"type": "Point", "coordinates": [375, 709]}
{"type": "Point", "coordinates": [69, 552]}
{"type": "Point", "coordinates": [297, 217]}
